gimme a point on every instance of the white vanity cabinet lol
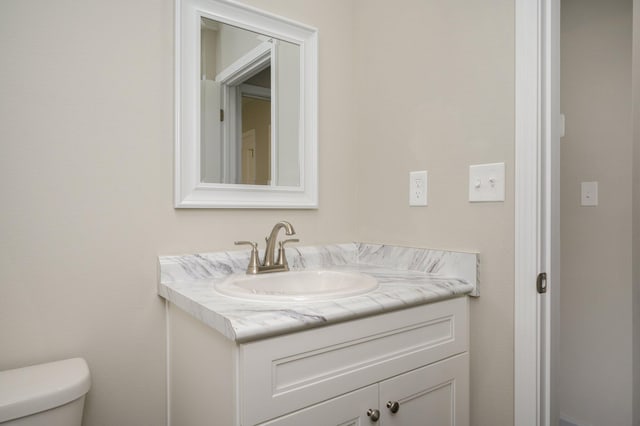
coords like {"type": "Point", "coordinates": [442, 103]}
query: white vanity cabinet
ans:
{"type": "Point", "coordinates": [341, 374]}
{"type": "Point", "coordinates": [435, 395]}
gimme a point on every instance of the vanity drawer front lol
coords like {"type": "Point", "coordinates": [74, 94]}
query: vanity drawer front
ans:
{"type": "Point", "coordinates": [286, 373]}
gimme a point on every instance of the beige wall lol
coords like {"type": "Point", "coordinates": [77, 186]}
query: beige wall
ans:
{"type": "Point", "coordinates": [208, 41]}
{"type": "Point", "coordinates": [443, 99]}
{"type": "Point", "coordinates": [596, 310]}
{"type": "Point", "coordinates": [86, 173]}
{"type": "Point", "coordinates": [86, 110]}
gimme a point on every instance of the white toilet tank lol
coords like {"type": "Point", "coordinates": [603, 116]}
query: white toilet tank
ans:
{"type": "Point", "coordinates": [49, 394]}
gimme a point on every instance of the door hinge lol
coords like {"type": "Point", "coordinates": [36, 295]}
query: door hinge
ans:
{"type": "Point", "coordinates": [221, 115]}
{"type": "Point", "coordinates": [541, 282]}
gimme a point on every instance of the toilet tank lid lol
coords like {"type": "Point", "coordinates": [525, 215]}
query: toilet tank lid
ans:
{"type": "Point", "coordinates": [29, 390]}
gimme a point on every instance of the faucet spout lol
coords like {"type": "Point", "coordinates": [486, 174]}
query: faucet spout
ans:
{"type": "Point", "coordinates": [269, 254]}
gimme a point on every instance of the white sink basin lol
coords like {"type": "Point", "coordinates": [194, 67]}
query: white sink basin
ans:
{"type": "Point", "coordinates": [297, 285]}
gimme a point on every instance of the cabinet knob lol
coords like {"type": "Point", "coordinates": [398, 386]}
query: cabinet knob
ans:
{"type": "Point", "coordinates": [393, 406]}
{"type": "Point", "coordinates": [374, 415]}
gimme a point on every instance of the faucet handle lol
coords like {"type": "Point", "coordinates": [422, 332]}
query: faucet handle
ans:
{"type": "Point", "coordinates": [282, 260]}
{"type": "Point", "coordinates": [252, 268]}
{"type": "Point", "coordinates": [249, 243]}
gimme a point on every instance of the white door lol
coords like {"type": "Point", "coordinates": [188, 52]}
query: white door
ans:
{"type": "Point", "coordinates": [537, 210]}
{"type": "Point", "coordinates": [549, 211]}
{"type": "Point", "coordinates": [211, 159]}
{"type": "Point", "coordinates": [435, 395]}
{"type": "Point", "coordinates": [347, 410]}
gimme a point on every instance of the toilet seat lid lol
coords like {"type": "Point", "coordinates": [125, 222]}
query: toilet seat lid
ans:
{"type": "Point", "coordinates": [29, 390]}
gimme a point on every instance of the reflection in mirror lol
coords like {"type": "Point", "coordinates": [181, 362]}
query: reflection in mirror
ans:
{"type": "Point", "coordinates": [250, 103]}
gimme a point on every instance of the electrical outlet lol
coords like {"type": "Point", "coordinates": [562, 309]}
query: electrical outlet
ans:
{"type": "Point", "coordinates": [418, 188]}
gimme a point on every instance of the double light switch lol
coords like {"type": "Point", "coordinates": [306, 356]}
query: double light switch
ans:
{"type": "Point", "coordinates": [486, 182]}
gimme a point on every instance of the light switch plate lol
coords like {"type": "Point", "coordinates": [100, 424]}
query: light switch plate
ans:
{"type": "Point", "coordinates": [589, 194]}
{"type": "Point", "coordinates": [418, 188]}
{"type": "Point", "coordinates": [486, 182]}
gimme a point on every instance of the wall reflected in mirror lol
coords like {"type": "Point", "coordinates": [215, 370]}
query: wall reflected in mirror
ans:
{"type": "Point", "coordinates": [250, 107]}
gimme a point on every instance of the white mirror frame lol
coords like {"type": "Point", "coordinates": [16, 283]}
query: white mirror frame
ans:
{"type": "Point", "coordinates": [190, 192]}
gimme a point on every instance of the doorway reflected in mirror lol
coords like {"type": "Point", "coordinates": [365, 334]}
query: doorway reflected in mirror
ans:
{"type": "Point", "coordinates": [249, 131]}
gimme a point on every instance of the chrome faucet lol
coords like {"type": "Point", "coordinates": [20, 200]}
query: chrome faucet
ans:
{"type": "Point", "coordinates": [269, 262]}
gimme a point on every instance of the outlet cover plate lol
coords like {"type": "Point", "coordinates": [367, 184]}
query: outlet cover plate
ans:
{"type": "Point", "coordinates": [418, 188]}
{"type": "Point", "coordinates": [589, 194]}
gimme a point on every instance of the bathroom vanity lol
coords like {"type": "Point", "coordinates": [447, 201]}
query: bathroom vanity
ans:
{"type": "Point", "coordinates": [397, 354]}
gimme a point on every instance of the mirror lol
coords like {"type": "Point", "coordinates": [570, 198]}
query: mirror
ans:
{"type": "Point", "coordinates": [246, 120]}
{"type": "Point", "coordinates": [250, 96]}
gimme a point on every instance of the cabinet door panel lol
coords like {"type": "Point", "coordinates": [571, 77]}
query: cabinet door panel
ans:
{"type": "Point", "coordinates": [436, 395]}
{"type": "Point", "coordinates": [346, 410]}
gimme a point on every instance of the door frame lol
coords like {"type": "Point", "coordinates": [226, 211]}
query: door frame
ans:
{"type": "Point", "coordinates": [537, 135]}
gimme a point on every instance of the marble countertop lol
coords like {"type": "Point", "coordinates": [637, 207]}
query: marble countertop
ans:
{"type": "Point", "coordinates": [406, 276]}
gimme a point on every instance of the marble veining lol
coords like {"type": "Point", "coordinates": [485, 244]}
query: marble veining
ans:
{"type": "Point", "coordinates": [406, 276]}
